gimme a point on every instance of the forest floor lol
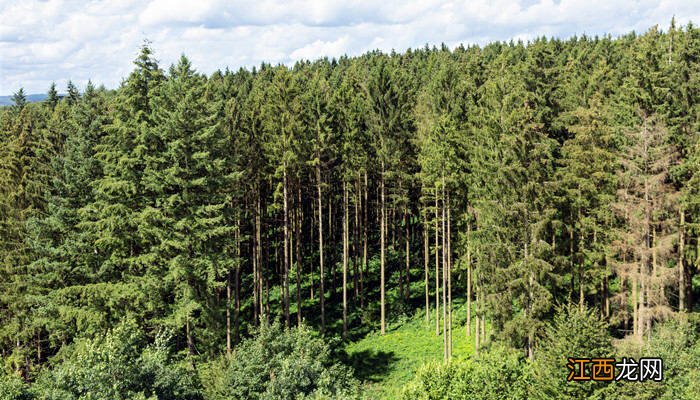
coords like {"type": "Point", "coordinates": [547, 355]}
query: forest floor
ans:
{"type": "Point", "coordinates": [386, 363]}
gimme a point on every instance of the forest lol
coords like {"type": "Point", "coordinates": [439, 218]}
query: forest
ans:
{"type": "Point", "coordinates": [259, 233]}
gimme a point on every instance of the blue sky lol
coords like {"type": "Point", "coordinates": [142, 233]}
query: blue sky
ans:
{"type": "Point", "coordinates": [57, 40]}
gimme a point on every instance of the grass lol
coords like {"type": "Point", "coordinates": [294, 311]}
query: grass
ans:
{"type": "Point", "coordinates": [386, 363]}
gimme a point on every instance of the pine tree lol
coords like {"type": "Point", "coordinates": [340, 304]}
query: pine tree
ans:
{"type": "Point", "coordinates": [19, 100]}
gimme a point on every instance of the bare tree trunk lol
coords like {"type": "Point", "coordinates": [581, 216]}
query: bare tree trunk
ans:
{"type": "Point", "coordinates": [477, 331]}
{"type": "Point", "coordinates": [408, 258]}
{"type": "Point", "coordinates": [382, 227]}
{"type": "Point", "coordinates": [297, 226]}
{"type": "Point", "coordinates": [469, 280]}
{"type": "Point", "coordinates": [345, 260]}
{"type": "Point", "coordinates": [322, 294]}
{"type": "Point", "coordinates": [190, 337]}
{"type": "Point", "coordinates": [228, 314]}
{"type": "Point", "coordinates": [449, 278]}
{"type": "Point", "coordinates": [313, 235]}
{"type": "Point", "coordinates": [426, 256]}
{"type": "Point", "coordinates": [258, 256]}
{"type": "Point", "coordinates": [237, 283]}
{"type": "Point", "coordinates": [331, 240]}
{"type": "Point", "coordinates": [365, 206]}
{"type": "Point", "coordinates": [437, 266]}
{"type": "Point", "coordinates": [355, 243]}
{"type": "Point", "coordinates": [444, 274]}
{"type": "Point", "coordinates": [286, 246]}
{"type": "Point", "coordinates": [256, 282]}
{"type": "Point", "coordinates": [681, 268]}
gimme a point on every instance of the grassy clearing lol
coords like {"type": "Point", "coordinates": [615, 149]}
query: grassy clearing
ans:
{"type": "Point", "coordinates": [388, 362]}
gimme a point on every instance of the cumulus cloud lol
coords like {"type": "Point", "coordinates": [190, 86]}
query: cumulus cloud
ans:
{"type": "Point", "coordinates": [56, 40]}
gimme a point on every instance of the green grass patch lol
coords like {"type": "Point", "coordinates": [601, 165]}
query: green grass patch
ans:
{"type": "Point", "coordinates": [386, 363]}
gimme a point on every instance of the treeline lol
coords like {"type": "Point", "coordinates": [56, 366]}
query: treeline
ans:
{"type": "Point", "coordinates": [345, 192]}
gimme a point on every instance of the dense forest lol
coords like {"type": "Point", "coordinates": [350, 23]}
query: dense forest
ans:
{"type": "Point", "coordinates": [222, 237]}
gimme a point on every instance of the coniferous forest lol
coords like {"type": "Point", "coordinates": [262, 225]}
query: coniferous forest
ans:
{"type": "Point", "coordinates": [250, 234]}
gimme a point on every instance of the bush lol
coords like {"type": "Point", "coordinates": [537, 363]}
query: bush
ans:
{"type": "Point", "coordinates": [499, 373]}
{"type": "Point", "coordinates": [13, 387]}
{"type": "Point", "coordinates": [279, 363]}
{"type": "Point", "coordinates": [116, 366]}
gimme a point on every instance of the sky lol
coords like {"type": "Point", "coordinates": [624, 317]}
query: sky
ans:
{"type": "Point", "coordinates": [57, 40]}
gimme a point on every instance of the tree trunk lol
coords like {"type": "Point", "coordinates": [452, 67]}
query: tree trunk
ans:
{"type": "Point", "coordinates": [190, 337]}
{"type": "Point", "coordinates": [322, 293]}
{"type": "Point", "coordinates": [469, 280]}
{"type": "Point", "coordinates": [345, 260]}
{"type": "Point", "coordinates": [681, 268]}
{"type": "Point", "coordinates": [449, 278]}
{"type": "Point", "coordinates": [408, 258]}
{"type": "Point", "coordinates": [237, 282]}
{"type": "Point", "coordinates": [365, 206]}
{"type": "Point", "coordinates": [331, 240]}
{"type": "Point", "coordinates": [258, 257]}
{"type": "Point", "coordinates": [426, 256]}
{"type": "Point", "coordinates": [437, 266]}
{"type": "Point", "coordinates": [356, 243]}
{"type": "Point", "coordinates": [254, 249]}
{"type": "Point", "coordinates": [286, 246]}
{"type": "Point", "coordinates": [297, 226]}
{"type": "Point", "coordinates": [444, 274]}
{"type": "Point", "coordinates": [476, 330]}
{"type": "Point", "coordinates": [382, 228]}
{"type": "Point", "coordinates": [228, 314]}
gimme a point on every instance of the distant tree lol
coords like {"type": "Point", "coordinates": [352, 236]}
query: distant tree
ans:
{"type": "Point", "coordinates": [19, 99]}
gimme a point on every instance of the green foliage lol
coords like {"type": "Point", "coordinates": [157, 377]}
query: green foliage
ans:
{"type": "Point", "coordinates": [575, 333]}
{"type": "Point", "coordinates": [498, 373]}
{"type": "Point", "coordinates": [13, 387]}
{"type": "Point", "coordinates": [115, 366]}
{"type": "Point", "coordinates": [676, 342]}
{"type": "Point", "coordinates": [568, 171]}
{"type": "Point", "coordinates": [280, 363]}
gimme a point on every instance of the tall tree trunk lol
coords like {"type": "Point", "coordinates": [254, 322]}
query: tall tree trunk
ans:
{"type": "Point", "coordinates": [237, 282]}
{"type": "Point", "coordinates": [444, 273]}
{"type": "Point", "coordinates": [469, 279]}
{"type": "Point", "coordinates": [476, 327]}
{"type": "Point", "coordinates": [356, 243]}
{"type": "Point", "coordinates": [382, 228]}
{"type": "Point", "coordinates": [228, 314]}
{"type": "Point", "coordinates": [297, 226]}
{"type": "Point", "coordinates": [345, 260]}
{"type": "Point", "coordinates": [322, 294]}
{"type": "Point", "coordinates": [437, 266]}
{"type": "Point", "coordinates": [331, 240]}
{"type": "Point", "coordinates": [313, 235]}
{"type": "Point", "coordinates": [426, 257]}
{"type": "Point", "coordinates": [528, 309]}
{"type": "Point", "coordinates": [286, 246]}
{"type": "Point", "coordinates": [258, 256]}
{"type": "Point", "coordinates": [365, 206]}
{"type": "Point", "coordinates": [254, 249]}
{"type": "Point", "coordinates": [190, 337]}
{"type": "Point", "coordinates": [408, 258]}
{"type": "Point", "coordinates": [449, 278]}
{"type": "Point", "coordinates": [681, 267]}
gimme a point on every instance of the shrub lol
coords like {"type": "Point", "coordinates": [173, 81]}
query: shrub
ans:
{"type": "Point", "coordinates": [279, 363]}
{"type": "Point", "coordinates": [499, 373]}
{"type": "Point", "coordinates": [116, 366]}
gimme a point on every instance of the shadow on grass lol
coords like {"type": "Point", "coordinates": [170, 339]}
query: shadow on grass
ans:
{"type": "Point", "coordinates": [371, 365]}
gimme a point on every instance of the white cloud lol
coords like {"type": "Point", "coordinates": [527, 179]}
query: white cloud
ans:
{"type": "Point", "coordinates": [57, 40]}
{"type": "Point", "coordinates": [334, 48]}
